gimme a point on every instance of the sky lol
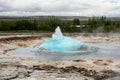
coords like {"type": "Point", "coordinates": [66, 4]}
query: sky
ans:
{"type": "Point", "coordinates": [60, 7]}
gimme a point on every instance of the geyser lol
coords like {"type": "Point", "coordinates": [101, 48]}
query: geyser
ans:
{"type": "Point", "coordinates": [60, 43]}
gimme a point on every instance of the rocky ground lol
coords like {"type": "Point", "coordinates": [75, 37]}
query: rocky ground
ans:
{"type": "Point", "coordinates": [25, 68]}
{"type": "Point", "coordinates": [12, 68]}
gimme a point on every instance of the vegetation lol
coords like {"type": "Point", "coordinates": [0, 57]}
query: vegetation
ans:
{"type": "Point", "coordinates": [102, 24]}
{"type": "Point", "coordinates": [93, 24]}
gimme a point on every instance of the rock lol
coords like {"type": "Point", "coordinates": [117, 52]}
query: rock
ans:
{"type": "Point", "coordinates": [79, 61]}
{"type": "Point", "coordinates": [8, 72]}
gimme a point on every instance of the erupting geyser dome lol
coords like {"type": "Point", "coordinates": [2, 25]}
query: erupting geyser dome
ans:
{"type": "Point", "coordinates": [58, 42]}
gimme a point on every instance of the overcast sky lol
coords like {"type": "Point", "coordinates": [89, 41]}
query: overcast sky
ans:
{"type": "Point", "coordinates": [60, 7]}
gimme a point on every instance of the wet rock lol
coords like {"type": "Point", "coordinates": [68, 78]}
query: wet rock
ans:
{"type": "Point", "coordinates": [7, 73]}
{"type": "Point", "coordinates": [79, 61]}
{"type": "Point", "coordinates": [110, 73]}
{"type": "Point", "coordinates": [49, 67]}
{"type": "Point", "coordinates": [118, 65]}
{"type": "Point", "coordinates": [22, 72]}
{"type": "Point", "coordinates": [103, 62]}
{"type": "Point", "coordinates": [44, 67]}
{"type": "Point", "coordinates": [68, 69]}
{"type": "Point", "coordinates": [12, 70]}
{"type": "Point", "coordinates": [100, 77]}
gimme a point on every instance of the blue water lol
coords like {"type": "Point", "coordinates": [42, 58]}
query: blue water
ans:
{"type": "Point", "coordinates": [62, 44]}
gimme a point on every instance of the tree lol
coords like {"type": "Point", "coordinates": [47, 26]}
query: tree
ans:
{"type": "Point", "coordinates": [5, 25]}
{"type": "Point", "coordinates": [76, 22]}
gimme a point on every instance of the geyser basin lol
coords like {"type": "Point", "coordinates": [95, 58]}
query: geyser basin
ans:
{"type": "Point", "coordinates": [59, 43]}
{"type": "Point", "coordinates": [107, 50]}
